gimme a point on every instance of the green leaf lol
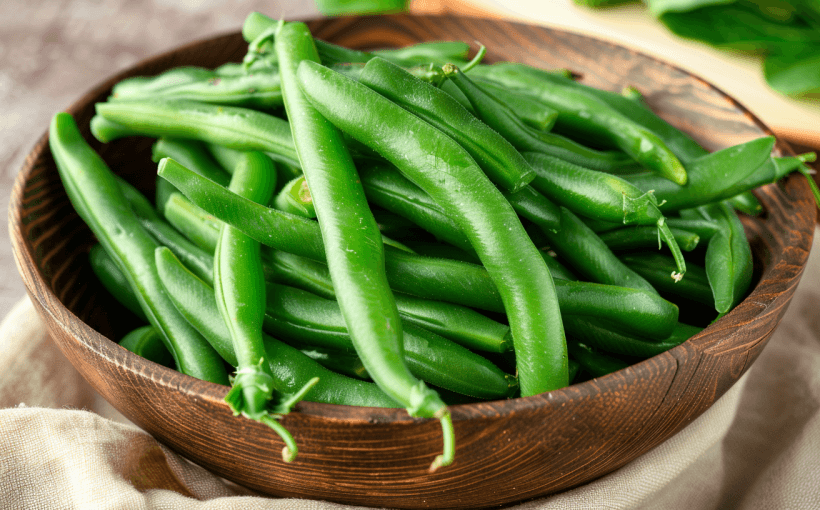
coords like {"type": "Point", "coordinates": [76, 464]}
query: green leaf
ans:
{"type": "Point", "coordinates": [738, 26]}
{"type": "Point", "coordinates": [794, 72]}
{"type": "Point", "coordinates": [660, 7]}
{"type": "Point", "coordinates": [602, 3]}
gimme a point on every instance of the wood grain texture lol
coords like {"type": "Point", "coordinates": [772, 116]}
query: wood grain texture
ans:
{"type": "Point", "coordinates": [507, 451]}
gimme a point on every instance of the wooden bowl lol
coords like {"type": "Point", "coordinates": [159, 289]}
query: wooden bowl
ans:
{"type": "Point", "coordinates": [507, 451]}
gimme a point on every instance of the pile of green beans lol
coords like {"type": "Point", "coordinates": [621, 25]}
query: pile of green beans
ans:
{"type": "Point", "coordinates": [411, 232]}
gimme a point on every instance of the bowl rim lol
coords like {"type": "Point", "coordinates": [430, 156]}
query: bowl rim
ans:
{"type": "Point", "coordinates": [176, 381]}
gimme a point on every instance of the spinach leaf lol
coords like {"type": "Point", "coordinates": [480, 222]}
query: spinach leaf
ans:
{"type": "Point", "coordinates": [795, 72]}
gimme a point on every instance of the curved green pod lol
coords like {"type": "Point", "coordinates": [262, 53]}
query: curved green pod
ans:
{"type": "Point", "coordinates": [239, 287]}
{"type": "Point", "coordinates": [449, 175]}
{"type": "Point", "coordinates": [95, 194]}
{"type": "Point", "coordinates": [580, 111]}
{"type": "Point", "coordinates": [147, 343]}
{"type": "Point", "coordinates": [493, 153]}
{"type": "Point", "coordinates": [199, 261]}
{"type": "Point", "coordinates": [193, 155]}
{"type": "Point", "coordinates": [503, 119]}
{"type": "Point", "coordinates": [355, 254]}
{"type": "Point", "coordinates": [646, 237]}
{"type": "Point", "coordinates": [595, 333]}
{"type": "Point", "coordinates": [258, 88]}
{"type": "Point", "coordinates": [113, 280]}
{"type": "Point", "coordinates": [231, 126]}
{"type": "Point", "coordinates": [719, 175]}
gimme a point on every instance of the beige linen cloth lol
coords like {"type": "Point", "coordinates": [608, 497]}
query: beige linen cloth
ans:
{"type": "Point", "coordinates": [758, 447]}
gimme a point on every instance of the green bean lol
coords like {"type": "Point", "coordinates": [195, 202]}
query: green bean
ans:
{"type": "Point", "coordinates": [441, 52]}
{"type": "Point", "coordinates": [352, 240]}
{"type": "Point", "coordinates": [291, 369]}
{"type": "Point", "coordinates": [501, 118]}
{"type": "Point", "coordinates": [654, 267]}
{"type": "Point", "coordinates": [387, 188]}
{"type": "Point", "coordinates": [442, 251]}
{"type": "Point", "coordinates": [192, 256]}
{"type": "Point", "coordinates": [113, 280]}
{"type": "Point", "coordinates": [596, 334]}
{"type": "Point", "coordinates": [456, 323]}
{"type": "Point", "coordinates": [192, 155]}
{"type": "Point", "coordinates": [535, 114]}
{"type": "Point", "coordinates": [557, 269]}
{"type": "Point", "coordinates": [496, 157]}
{"type": "Point", "coordinates": [397, 227]}
{"type": "Point", "coordinates": [437, 52]}
{"type": "Point", "coordinates": [295, 198]}
{"type": "Point", "coordinates": [716, 176]}
{"type": "Point", "coordinates": [627, 105]}
{"type": "Point", "coordinates": [746, 203]}
{"type": "Point", "coordinates": [239, 288]}
{"type": "Point", "coordinates": [199, 227]}
{"type": "Point", "coordinates": [728, 257]}
{"type": "Point", "coordinates": [345, 363]}
{"type": "Point", "coordinates": [646, 313]}
{"type": "Point", "coordinates": [584, 112]}
{"type": "Point", "coordinates": [271, 227]}
{"type": "Point", "coordinates": [231, 126]}
{"type": "Point", "coordinates": [590, 257]}
{"type": "Point", "coordinates": [631, 238]}
{"type": "Point", "coordinates": [258, 88]}
{"type": "Point", "coordinates": [601, 196]}
{"type": "Point", "coordinates": [173, 77]}
{"type": "Point", "coordinates": [448, 174]}
{"type": "Point", "coordinates": [534, 206]}
{"type": "Point", "coordinates": [596, 364]}
{"type": "Point", "coordinates": [228, 158]}
{"type": "Point", "coordinates": [162, 193]}
{"type": "Point", "coordinates": [96, 196]}
{"type": "Point", "coordinates": [772, 170]}
{"type": "Point", "coordinates": [702, 228]}
{"type": "Point", "coordinates": [146, 342]}
{"type": "Point", "coordinates": [106, 130]}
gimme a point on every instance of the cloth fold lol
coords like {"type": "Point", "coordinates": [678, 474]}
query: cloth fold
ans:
{"type": "Point", "coordinates": [62, 446]}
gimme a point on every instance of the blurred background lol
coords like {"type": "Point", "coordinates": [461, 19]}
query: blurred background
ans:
{"type": "Point", "coordinates": [52, 51]}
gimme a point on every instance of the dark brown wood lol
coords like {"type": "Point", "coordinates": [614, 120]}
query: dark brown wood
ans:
{"type": "Point", "coordinates": [507, 451]}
